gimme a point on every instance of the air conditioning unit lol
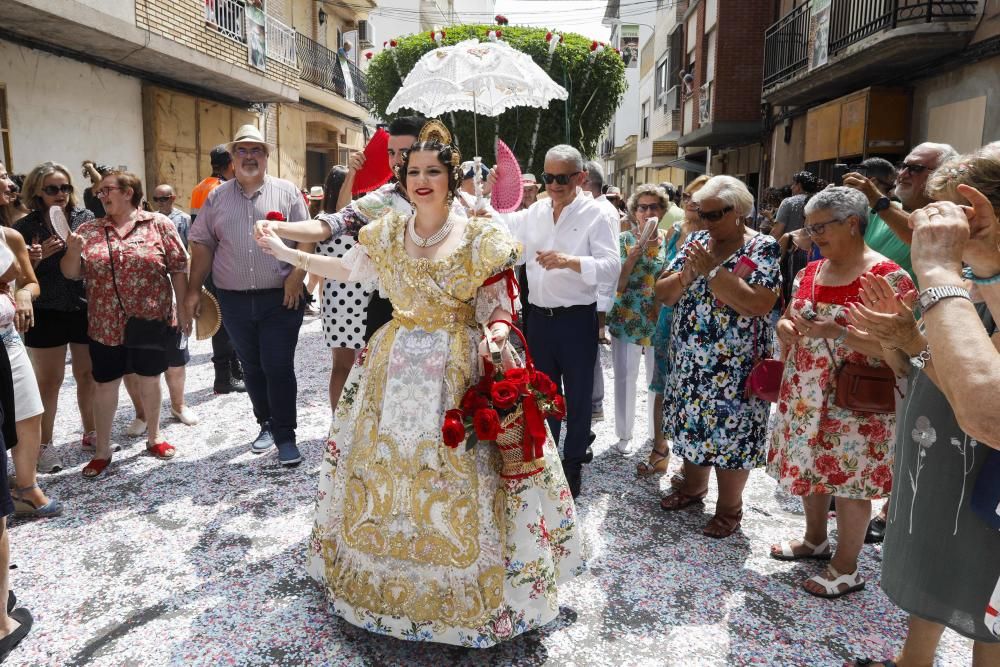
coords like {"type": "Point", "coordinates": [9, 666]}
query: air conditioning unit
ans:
{"type": "Point", "coordinates": [365, 35]}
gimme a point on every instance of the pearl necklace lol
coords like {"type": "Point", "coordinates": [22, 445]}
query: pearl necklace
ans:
{"type": "Point", "coordinates": [433, 239]}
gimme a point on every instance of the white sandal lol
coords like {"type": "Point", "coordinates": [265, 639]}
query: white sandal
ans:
{"type": "Point", "coordinates": [831, 587]}
{"type": "Point", "coordinates": [817, 551]}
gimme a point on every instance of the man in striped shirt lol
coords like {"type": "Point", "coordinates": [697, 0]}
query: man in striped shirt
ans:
{"type": "Point", "coordinates": [261, 298]}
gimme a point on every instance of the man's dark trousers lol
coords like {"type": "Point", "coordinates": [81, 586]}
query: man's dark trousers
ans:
{"type": "Point", "coordinates": [563, 343]}
{"type": "Point", "coordinates": [265, 334]}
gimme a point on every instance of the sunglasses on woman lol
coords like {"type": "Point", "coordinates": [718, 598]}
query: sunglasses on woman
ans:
{"type": "Point", "coordinates": [648, 207]}
{"type": "Point", "coordinates": [561, 179]}
{"type": "Point", "coordinates": [714, 216]}
{"type": "Point", "coordinates": [53, 190]}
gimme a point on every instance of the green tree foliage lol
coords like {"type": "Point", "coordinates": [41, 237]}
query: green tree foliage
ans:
{"type": "Point", "coordinates": [596, 83]}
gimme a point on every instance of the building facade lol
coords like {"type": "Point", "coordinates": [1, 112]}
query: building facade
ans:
{"type": "Point", "coordinates": [153, 85]}
{"type": "Point", "coordinates": [845, 81]}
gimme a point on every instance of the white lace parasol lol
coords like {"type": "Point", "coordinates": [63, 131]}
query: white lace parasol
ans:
{"type": "Point", "coordinates": [482, 77]}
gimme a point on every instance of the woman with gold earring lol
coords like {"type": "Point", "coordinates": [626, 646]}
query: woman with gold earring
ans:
{"type": "Point", "coordinates": [412, 538]}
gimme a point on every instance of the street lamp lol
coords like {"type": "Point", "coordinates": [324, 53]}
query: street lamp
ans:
{"type": "Point", "coordinates": [322, 16]}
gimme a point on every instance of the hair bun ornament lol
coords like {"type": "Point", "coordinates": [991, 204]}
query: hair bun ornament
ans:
{"type": "Point", "coordinates": [507, 191]}
{"type": "Point", "coordinates": [435, 130]}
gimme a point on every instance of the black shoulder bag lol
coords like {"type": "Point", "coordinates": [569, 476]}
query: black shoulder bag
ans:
{"type": "Point", "coordinates": [140, 333]}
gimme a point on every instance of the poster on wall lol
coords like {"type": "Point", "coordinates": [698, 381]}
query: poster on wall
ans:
{"type": "Point", "coordinates": [821, 40]}
{"type": "Point", "coordinates": [629, 42]}
{"type": "Point", "coordinates": [256, 34]}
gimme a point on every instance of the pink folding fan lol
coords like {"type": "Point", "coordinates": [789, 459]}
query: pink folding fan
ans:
{"type": "Point", "coordinates": [507, 192]}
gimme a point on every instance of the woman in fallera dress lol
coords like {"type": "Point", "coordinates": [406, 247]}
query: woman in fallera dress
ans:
{"type": "Point", "coordinates": [414, 539]}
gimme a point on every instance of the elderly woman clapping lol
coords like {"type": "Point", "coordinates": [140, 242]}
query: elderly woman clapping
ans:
{"type": "Point", "coordinates": [722, 285]}
{"type": "Point", "coordinates": [822, 446]}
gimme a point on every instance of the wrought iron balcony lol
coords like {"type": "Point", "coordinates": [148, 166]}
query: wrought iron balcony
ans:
{"type": "Point", "coordinates": [862, 34]}
{"type": "Point", "coordinates": [322, 67]}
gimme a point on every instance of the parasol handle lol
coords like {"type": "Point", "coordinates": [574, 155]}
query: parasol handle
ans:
{"type": "Point", "coordinates": [477, 179]}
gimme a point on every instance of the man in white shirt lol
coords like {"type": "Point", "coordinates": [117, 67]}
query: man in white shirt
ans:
{"type": "Point", "coordinates": [569, 250]}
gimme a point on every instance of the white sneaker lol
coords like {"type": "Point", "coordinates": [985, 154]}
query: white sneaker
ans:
{"type": "Point", "coordinates": [185, 415]}
{"type": "Point", "coordinates": [623, 446]}
{"type": "Point", "coordinates": [136, 428]}
{"type": "Point", "coordinates": [48, 460]}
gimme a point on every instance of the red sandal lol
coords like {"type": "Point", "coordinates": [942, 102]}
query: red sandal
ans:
{"type": "Point", "coordinates": [162, 450]}
{"type": "Point", "coordinates": [95, 467]}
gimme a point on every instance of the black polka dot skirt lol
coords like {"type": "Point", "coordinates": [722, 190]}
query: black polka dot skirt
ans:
{"type": "Point", "coordinates": [345, 305]}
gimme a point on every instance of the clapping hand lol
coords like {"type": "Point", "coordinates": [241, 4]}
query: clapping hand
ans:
{"type": "Point", "coordinates": [699, 259]}
{"type": "Point", "coordinates": [883, 314]}
{"type": "Point", "coordinates": [982, 252]}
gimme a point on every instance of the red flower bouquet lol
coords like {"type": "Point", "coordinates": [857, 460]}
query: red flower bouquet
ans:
{"type": "Point", "coordinates": [508, 408]}
{"type": "Point", "coordinates": [275, 216]}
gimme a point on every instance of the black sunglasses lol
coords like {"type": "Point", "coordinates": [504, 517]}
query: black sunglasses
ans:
{"type": "Point", "coordinates": [912, 168]}
{"type": "Point", "coordinates": [160, 200]}
{"type": "Point", "coordinates": [53, 190]}
{"type": "Point", "coordinates": [561, 179]}
{"type": "Point", "coordinates": [714, 216]}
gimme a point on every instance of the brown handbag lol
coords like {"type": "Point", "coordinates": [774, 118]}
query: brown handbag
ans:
{"type": "Point", "coordinates": [861, 388]}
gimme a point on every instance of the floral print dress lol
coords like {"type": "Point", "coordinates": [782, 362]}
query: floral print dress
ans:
{"type": "Point", "coordinates": [710, 357]}
{"type": "Point", "coordinates": [633, 316]}
{"type": "Point", "coordinates": [817, 447]}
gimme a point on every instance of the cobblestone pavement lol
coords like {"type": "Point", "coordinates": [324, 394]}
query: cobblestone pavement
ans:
{"type": "Point", "coordinates": [198, 561]}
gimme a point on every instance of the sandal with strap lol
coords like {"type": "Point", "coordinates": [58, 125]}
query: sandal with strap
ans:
{"type": "Point", "coordinates": [657, 464]}
{"type": "Point", "coordinates": [820, 551]}
{"type": "Point", "coordinates": [24, 508]}
{"type": "Point", "coordinates": [677, 480]}
{"type": "Point", "coordinates": [95, 467]}
{"type": "Point", "coordinates": [831, 587]}
{"type": "Point", "coordinates": [722, 526]}
{"type": "Point", "coordinates": [162, 450]}
{"type": "Point", "coordinates": [678, 500]}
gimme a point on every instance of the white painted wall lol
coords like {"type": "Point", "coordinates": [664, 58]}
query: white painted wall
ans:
{"type": "Point", "coordinates": [397, 18]}
{"type": "Point", "coordinates": [67, 111]}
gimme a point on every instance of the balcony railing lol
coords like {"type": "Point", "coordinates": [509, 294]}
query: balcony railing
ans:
{"type": "Point", "coordinates": [280, 42]}
{"type": "Point", "coordinates": [786, 43]}
{"type": "Point", "coordinates": [854, 20]}
{"type": "Point", "coordinates": [786, 46]}
{"type": "Point", "coordinates": [229, 18]}
{"type": "Point", "coordinates": [321, 67]}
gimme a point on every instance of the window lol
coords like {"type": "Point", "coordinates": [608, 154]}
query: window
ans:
{"type": "Point", "coordinates": [228, 17]}
{"type": "Point", "coordinates": [645, 120]}
{"type": "Point", "coordinates": [661, 83]}
{"type": "Point", "coordinates": [5, 130]}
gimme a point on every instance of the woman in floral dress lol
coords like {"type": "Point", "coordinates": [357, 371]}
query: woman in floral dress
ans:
{"type": "Point", "coordinates": [632, 320]}
{"type": "Point", "coordinates": [722, 286]}
{"type": "Point", "coordinates": [818, 449]}
{"type": "Point", "coordinates": [411, 538]}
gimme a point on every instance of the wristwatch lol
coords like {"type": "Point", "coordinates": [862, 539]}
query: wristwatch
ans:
{"type": "Point", "coordinates": [714, 272]}
{"type": "Point", "coordinates": [882, 204]}
{"type": "Point", "coordinates": [931, 296]}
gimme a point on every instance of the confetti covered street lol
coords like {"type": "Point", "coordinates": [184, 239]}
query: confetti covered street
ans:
{"type": "Point", "coordinates": [199, 561]}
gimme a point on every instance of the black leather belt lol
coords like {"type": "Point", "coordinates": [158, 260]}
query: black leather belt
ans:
{"type": "Point", "coordinates": [562, 310]}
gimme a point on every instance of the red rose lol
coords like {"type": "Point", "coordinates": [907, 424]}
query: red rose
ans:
{"type": "Point", "coordinates": [472, 401]}
{"type": "Point", "coordinates": [837, 478]}
{"type": "Point", "coordinates": [800, 487]}
{"type": "Point", "coordinates": [504, 394]}
{"type": "Point", "coordinates": [453, 431]}
{"type": "Point", "coordinates": [487, 424]}
{"type": "Point", "coordinates": [827, 465]}
{"type": "Point", "coordinates": [882, 476]}
{"type": "Point", "coordinates": [518, 376]}
{"type": "Point", "coordinates": [558, 406]}
{"type": "Point", "coordinates": [544, 384]}
{"type": "Point", "coordinates": [275, 216]}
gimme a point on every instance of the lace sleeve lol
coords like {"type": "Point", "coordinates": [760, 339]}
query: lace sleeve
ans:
{"type": "Point", "coordinates": [361, 266]}
{"type": "Point", "coordinates": [496, 294]}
